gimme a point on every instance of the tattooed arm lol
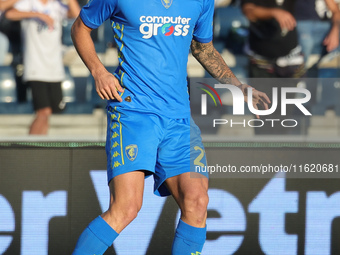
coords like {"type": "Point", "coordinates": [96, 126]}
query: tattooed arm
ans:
{"type": "Point", "coordinates": [212, 61]}
{"type": "Point", "coordinates": [214, 64]}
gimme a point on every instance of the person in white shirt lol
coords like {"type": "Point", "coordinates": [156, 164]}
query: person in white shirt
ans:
{"type": "Point", "coordinates": [42, 52]}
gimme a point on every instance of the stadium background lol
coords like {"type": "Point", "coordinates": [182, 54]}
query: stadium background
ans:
{"type": "Point", "coordinates": [50, 191]}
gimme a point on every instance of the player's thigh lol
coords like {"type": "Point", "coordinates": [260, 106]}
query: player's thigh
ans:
{"type": "Point", "coordinates": [190, 185]}
{"type": "Point", "coordinates": [132, 142]}
{"type": "Point", "coordinates": [182, 152]}
{"type": "Point", "coordinates": [126, 190]}
{"type": "Point", "coordinates": [190, 182]}
{"type": "Point", "coordinates": [125, 200]}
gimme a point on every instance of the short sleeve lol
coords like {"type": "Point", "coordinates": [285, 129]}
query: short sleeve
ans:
{"type": "Point", "coordinates": [203, 31]}
{"type": "Point", "coordinates": [23, 6]}
{"type": "Point", "coordinates": [95, 12]}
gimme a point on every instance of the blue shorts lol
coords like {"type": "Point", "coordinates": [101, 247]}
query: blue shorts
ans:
{"type": "Point", "coordinates": [160, 146]}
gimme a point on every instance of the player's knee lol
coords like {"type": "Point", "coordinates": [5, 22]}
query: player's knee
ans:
{"type": "Point", "coordinates": [127, 212]}
{"type": "Point", "coordinates": [196, 204]}
{"type": "Point", "coordinates": [202, 203]}
{"type": "Point", "coordinates": [130, 212]}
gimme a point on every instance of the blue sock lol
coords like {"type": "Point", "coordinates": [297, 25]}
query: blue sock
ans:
{"type": "Point", "coordinates": [96, 238]}
{"type": "Point", "coordinates": [188, 240]}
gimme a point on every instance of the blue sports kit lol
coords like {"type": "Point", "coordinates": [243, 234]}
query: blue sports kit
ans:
{"type": "Point", "coordinates": [151, 129]}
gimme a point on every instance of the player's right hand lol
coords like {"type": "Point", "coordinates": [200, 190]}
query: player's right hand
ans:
{"type": "Point", "coordinates": [107, 86]}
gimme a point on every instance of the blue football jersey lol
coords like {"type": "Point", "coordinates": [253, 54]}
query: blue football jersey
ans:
{"type": "Point", "coordinates": [153, 39]}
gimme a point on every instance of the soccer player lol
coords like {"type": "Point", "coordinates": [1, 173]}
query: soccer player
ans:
{"type": "Point", "coordinates": [149, 129]}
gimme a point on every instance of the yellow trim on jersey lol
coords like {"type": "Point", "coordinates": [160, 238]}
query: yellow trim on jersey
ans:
{"type": "Point", "coordinates": [121, 37]}
{"type": "Point", "coordinates": [121, 136]}
{"type": "Point", "coordinates": [121, 80]}
{"type": "Point", "coordinates": [120, 27]}
{"type": "Point", "coordinates": [121, 75]}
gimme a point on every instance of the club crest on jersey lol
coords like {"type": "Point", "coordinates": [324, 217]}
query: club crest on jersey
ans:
{"type": "Point", "coordinates": [166, 3]}
{"type": "Point", "coordinates": [131, 151]}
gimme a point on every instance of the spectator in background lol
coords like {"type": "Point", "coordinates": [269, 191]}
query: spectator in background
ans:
{"type": "Point", "coordinates": [4, 41]}
{"type": "Point", "coordinates": [42, 50]}
{"type": "Point", "coordinates": [318, 28]}
{"type": "Point", "coordinates": [273, 49]}
{"type": "Point", "coordinates": [273, 43]}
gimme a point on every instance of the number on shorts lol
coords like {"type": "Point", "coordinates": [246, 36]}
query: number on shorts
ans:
{"type": "Point", "coordinates": [198, 159]}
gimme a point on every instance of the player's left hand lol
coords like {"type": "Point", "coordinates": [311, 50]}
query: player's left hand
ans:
{"type": "Point", "coordinates": [259, 98]}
